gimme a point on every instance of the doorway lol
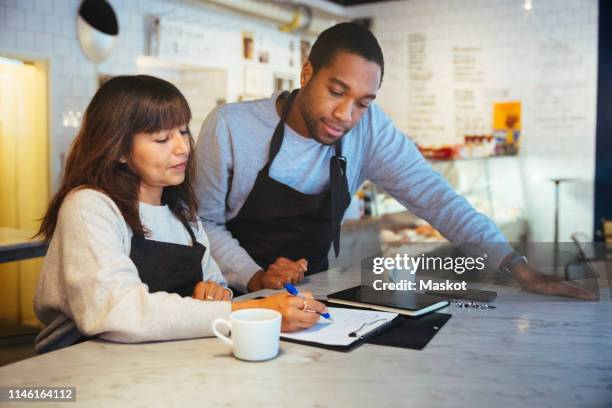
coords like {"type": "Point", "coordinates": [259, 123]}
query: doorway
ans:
{"type": "Point", "coordinates": [24, 170]}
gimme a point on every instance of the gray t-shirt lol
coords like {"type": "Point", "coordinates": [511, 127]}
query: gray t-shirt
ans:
{"type": "Point", "coordinates": [233, 146]}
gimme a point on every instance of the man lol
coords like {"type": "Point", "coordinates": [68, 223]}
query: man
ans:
{"type": "Point", "coordinates": [275, 175]}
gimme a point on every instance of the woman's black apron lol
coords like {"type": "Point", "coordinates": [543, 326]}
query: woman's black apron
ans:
{"type": "Point", "coordinates": [168, 267]}
{"type": "Point", "coordinates": [163, 266]}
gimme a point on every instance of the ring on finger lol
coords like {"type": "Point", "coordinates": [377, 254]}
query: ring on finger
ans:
{"type": "Point", "coordinates": [209, 297]}
{"type": "Point", "coordinates": [305, 308]}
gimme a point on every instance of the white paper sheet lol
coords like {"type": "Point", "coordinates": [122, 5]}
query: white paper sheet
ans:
{"type": "Point", "coordinates": [345, 322]}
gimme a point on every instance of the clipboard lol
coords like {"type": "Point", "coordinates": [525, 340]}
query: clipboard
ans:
{"type": "Point", "coordinates": [356, 343]}
{"type": "Point", "coordinates": [401, 332]}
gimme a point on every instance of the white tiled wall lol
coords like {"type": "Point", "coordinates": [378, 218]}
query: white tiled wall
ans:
{"type": "Point", "coordinates": [546, 58]}
{"type": "Point", "coordinates": [192, 33]}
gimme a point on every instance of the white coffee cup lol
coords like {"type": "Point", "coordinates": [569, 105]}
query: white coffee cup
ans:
{"type": "Point", "coordinates": [255, 333]}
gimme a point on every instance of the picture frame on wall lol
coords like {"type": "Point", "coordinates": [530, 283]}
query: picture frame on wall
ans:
{"type": "Point", "coordinates": [248, 46]}
{"type": "Point", "coordinates": [264, 57]}
{"type": "Point", "coordinates": [153, 35]}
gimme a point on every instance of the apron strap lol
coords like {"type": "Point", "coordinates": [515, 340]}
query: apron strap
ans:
{"type": "Point", "coordinates": [279, 132]}
{"type": "Point", "coordinates": [338, 187]}
{"type": "Point", "coordinates": [190, 231]}
{"type": "Point", "coordinates": [338, 156]}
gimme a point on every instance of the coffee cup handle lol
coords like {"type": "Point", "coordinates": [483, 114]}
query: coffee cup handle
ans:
{"type": "Point", "coordinates": [218, 334]}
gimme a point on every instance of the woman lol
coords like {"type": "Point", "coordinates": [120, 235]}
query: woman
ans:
{"type": "Point", "coordinates": [128, 258]}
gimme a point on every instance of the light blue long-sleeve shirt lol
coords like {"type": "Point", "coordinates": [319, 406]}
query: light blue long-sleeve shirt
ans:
{"type": "Point", "coordinates": [233, 146]}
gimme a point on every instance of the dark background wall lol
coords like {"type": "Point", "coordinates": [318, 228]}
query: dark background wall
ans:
{"type": "Point", "coordinates": [603, 160]}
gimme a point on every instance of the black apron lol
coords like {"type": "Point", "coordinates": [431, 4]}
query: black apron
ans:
{"type": "Point", "coordinates": [277, 220]}
{"type": "Point", "coordinates": [168, 267]}
{"type": "Point", "coordinates": [163, 266]}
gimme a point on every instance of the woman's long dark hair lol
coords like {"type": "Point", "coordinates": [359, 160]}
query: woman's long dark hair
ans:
{"type": "Point", "coordinates": [121, 108]}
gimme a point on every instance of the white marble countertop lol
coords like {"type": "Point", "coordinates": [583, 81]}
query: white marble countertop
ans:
{"type": "Point", "coordinates": [524, 353]}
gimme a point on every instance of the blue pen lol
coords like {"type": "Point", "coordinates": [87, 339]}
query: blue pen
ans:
{"type": "Point", "coordinates": [293, 290]}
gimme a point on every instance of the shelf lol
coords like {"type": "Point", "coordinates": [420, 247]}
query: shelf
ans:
{"type": "Point", "coordinates": [147, 62]}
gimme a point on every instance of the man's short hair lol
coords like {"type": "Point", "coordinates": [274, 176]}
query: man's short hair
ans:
{"type": "Point", "coordinates": [346, 37]}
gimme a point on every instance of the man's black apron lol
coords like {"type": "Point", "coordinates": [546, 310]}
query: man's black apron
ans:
{"type": "Point", "coordinates": [277, 220]}
{"type": "Point", "coordinates": [168, 267]}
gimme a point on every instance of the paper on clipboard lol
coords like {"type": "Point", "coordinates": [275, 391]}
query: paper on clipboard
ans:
{"type": "Point", "coordinates": [346, 321]}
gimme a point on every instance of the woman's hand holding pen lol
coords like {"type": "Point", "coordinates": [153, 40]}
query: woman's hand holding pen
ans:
{"type": "Point", "coordinates": [298, 313]}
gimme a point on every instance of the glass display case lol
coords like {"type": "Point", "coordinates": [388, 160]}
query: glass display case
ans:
{"type": "Point", "coordinates": [493, 185]}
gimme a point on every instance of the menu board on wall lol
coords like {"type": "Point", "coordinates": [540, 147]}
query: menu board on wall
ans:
{"type": "Point", "coordinates": [447, 104]}
{"type": "Point", "coordinates": [456, 74]}
{"type": "Point", "coordinates": [470, 114]}
{"type": "Point", "coordinates": [558, 97]}
{"type": "Point", "coordinates": [424, 118]}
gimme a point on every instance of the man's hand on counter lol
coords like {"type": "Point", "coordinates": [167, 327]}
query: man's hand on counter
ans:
{"type": "Point", "coordinates": [533, 281]}
{"type": "Point", "coordinates": [282, 271]}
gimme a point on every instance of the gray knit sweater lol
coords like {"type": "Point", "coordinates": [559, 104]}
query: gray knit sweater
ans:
{"type": "Point", "coordinates": [89, 286]}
